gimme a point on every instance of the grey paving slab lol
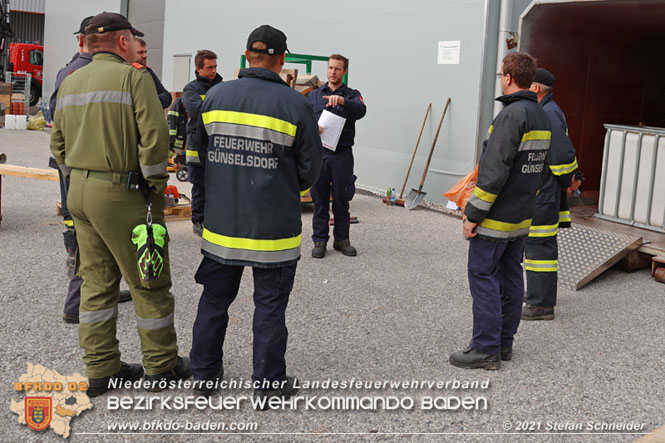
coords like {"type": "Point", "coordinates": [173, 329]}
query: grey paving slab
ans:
{"type": "Point", "coordinates": [393, 313]}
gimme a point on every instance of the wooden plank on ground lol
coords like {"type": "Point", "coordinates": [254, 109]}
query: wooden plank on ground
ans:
{"type": "Point", "coordinates": [179, 212]}
{"type": "Point", "coordinates": [25, 172]}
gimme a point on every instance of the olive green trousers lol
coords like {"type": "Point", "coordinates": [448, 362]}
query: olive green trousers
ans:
{"type": "Point", "coordinates": [105, 212]}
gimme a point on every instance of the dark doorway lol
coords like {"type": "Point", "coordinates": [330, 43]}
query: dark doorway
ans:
{"type": "Point", "coordinates": [609, 60]}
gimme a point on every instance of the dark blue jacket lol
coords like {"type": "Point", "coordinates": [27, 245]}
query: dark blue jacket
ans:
{"type": "Point", "coordinates": [78, 61]}
{"type": "Point", "coordinates": [511, 168]}
{"type": "Point", "coordinates": [263, 148]}
{"type": "Point", "coordinates": [562, 167]}
{"type": "Point", "coordinates": [192, 96]}
{"type": "Point", "coordinates": [164, 95]}
{"type": "Point", "coordinates": [562, 161]}
{"type": "Point", "coordinates": [353, 109]}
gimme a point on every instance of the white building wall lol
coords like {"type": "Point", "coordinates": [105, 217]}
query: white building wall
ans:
{"type": "Point", "coordinates": [148, 17]}
{"type": "Point", "coordinates": [63, 18]}
{"type": "Point", "coordinates": [392, 47]}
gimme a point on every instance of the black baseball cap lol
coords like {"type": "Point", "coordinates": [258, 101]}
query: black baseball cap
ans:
{"type": "Point", "coordinates": [273, 38]}
{"type": "Point", "coordinates": [108, 22]}
{"type": "Point", "coordinates": [544, 77]}
{"type": "Point", "coordinates": [84, 23]}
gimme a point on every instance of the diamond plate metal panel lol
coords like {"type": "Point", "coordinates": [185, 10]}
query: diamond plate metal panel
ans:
{"type": "Point", "coordinates": [586, 252]}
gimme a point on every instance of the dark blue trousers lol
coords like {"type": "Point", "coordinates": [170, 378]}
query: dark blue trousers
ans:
{"type": "Point", "coordinates": [271, 296]}
{"type": "Point", "coordinates": [496, 281]}
{"type": "Point", "coordinates": [541, 282]}
{"type": "Point", "coordinates": [336, 176]}
{"type": "Point", "coordinates": [196, 176]}
{"type": "Point", "coordinates": [73, 299]}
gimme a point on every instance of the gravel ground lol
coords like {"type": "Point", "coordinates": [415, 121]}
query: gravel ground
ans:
{"type": "Point", "coordinates": [393, 313]}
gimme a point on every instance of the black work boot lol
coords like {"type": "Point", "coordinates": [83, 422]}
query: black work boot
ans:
{"type": "Point", "coordinates": [344, 246]}
{"type": "Point", "coordinates": [319, 249]}
{"type": "Point", "coordinates": [127, 372]}
{"type": "Point", "coordinates": [159, 382]}
{"type": "Point", "coordinates": [472, 359]}
{"type": "Point", "coordinates": [124, 296]}
{"type": "Point", "coordinates": [201, 388]}
{"type": "Point", "coordinates": [287, 391]}
{"type": "Point", "coordinates": [506, 353]}
{"type": "Point", "coordinates": [533, 312]}
{"type": "Point", "coordinates": [72, 319]}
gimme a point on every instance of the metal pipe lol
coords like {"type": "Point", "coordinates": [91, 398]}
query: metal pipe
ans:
{"type": "Point", "coordinates": [636, 176]}
{"type": "Point", "coordinates": [603, 175]}
{"type": "Point", "coordinates": [620, 175]}
{"type": "Point", "coordinates": [654, 160]}
{"type": "Point", "coordinates": [505, 24]}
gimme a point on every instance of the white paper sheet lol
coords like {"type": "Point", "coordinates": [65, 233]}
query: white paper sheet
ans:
{"type": "Point", "coordinates": [332, 125]}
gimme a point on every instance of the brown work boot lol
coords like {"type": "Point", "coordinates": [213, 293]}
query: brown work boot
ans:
{"type": "Point", "coordinates": [344, 246]}
{"type": "Point", "coordinates": [533, 312]}
{"type": "Point", "coordinates": [319, 249]}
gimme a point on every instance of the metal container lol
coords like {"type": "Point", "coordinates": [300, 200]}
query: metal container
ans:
{"type": "Point", "coordinates": [632, 187]}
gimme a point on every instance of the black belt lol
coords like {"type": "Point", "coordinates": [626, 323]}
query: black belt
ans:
{"type": "Point", "coordinates": [133, 180]}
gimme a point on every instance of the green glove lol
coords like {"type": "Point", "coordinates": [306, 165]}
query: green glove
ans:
{"type": "Point", "coordinates": [149, 241]}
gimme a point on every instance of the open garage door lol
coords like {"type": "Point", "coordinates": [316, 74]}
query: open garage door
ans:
{"type": "Point", "coordinates": [609, 60]}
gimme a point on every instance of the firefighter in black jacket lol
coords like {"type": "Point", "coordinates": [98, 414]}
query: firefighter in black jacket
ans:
{"type": "Point", "coordinates": [193, 95]}
{"type": "Point", "coordinates": [499, 214]}
{"type": "Point", "coordinates": [177, 120]}
{"type": "Point", "coordinates": [263, 149]}
{"type": "Point", "coordinates": [541, 249]}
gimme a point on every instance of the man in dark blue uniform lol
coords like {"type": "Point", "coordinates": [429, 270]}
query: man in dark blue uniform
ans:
{"type": "Point", "coordinates": [142, 59]}
{"type": "Point", "coordinates": [499, 213]}
{"type": "Point", "coordinates": [192, 96]}
{"type": "Point", "coordinates": [552, 212]}
{"type": "Point", "coordinates": [337, 169]}
{"type": "Point", "coordinates": [261, 148]}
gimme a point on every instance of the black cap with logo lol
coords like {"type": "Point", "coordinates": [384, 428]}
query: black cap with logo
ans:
{"type": "Point", "coordinates": [84, 23]}
{"type": "Point", "coordinates": [274, 39]}
{"type": "Point", "coordinates": [544, 77]}
{"type": "Point", "coordinates": [108, 22]}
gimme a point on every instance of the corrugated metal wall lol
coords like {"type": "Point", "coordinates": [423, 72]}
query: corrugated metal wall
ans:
{"type": "Point", "coordinates": [27, 27]}
{"type": "Point", "coordinates": [34, 6]}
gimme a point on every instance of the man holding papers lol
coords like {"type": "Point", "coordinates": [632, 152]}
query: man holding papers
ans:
{"type": "Point", "coordinates": [337, 107]}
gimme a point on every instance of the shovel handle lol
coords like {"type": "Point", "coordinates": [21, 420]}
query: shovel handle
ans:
{"type": "Point", "coordinates": [431, 151]}
{"type": "Point", "coordinates": [413, 156]}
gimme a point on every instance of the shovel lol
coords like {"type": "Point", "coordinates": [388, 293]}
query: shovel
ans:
{"type": "Point", "coordinates": [401, 194]}
{"type": "Point", "coordinates": [416, 196]}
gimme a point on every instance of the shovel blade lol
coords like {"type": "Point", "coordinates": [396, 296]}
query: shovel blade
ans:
{"type": "Point", "coordinates": [414, 198]}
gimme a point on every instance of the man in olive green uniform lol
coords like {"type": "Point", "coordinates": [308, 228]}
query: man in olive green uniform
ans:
{"type": "Point", "coordinates": [110, 132]}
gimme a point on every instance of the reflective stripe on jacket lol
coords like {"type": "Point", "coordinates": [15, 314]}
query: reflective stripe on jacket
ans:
{"type": "Point", "coordinates": [510, 169]}
{"type": "Point", "coordinates": [263, 148]}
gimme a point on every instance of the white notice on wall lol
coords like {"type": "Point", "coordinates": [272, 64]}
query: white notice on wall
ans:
{"type": "Point", "coordinates": [449, 52]}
